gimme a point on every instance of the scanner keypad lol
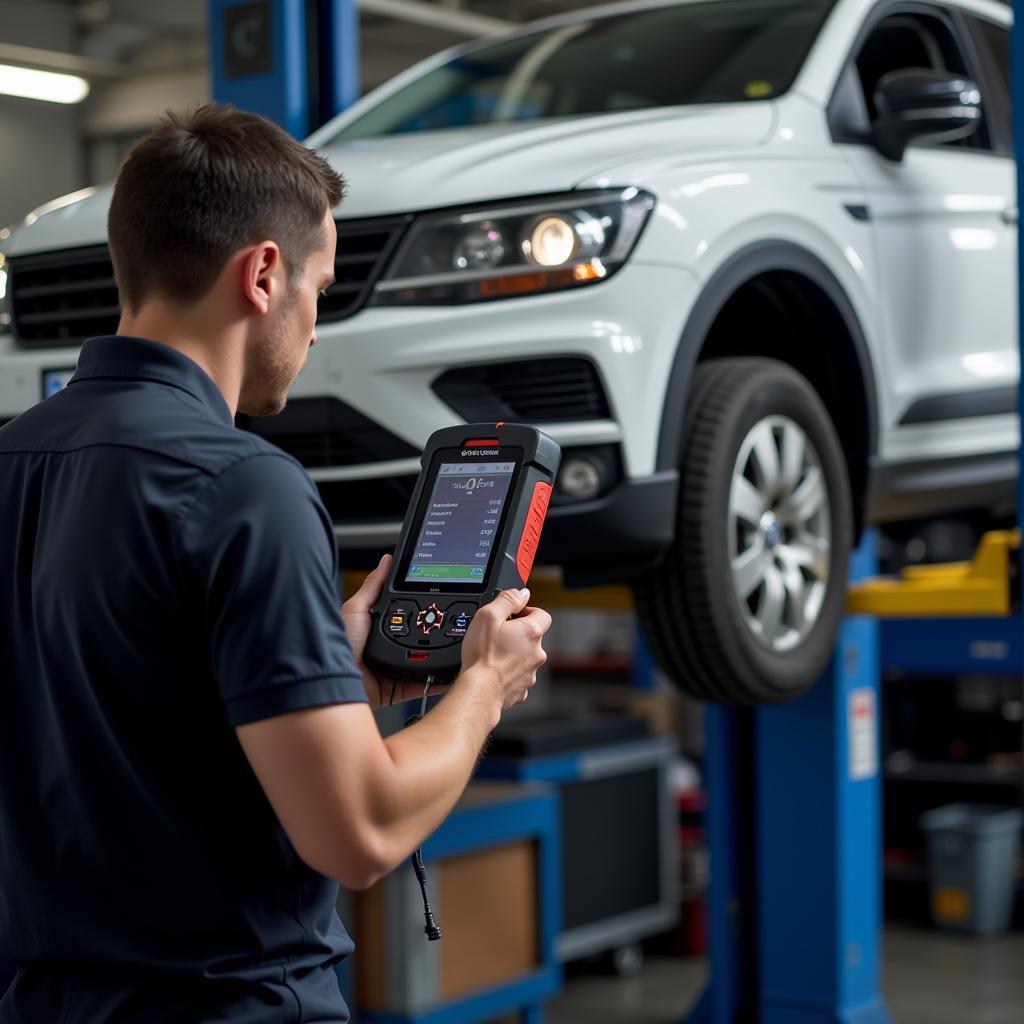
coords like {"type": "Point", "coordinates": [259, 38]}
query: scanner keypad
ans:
{"type": "Point", "coordinates": [427, 622]}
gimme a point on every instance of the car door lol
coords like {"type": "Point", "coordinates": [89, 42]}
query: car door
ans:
{"type": "Point", "coordinates": [944, 224]}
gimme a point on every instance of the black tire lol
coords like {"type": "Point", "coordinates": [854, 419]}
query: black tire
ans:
{"type": "Point", "coordinates": [688, 607]}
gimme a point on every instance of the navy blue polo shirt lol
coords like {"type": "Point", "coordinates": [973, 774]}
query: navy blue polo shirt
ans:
{"type": "Point", "coordinates": [164, 577]}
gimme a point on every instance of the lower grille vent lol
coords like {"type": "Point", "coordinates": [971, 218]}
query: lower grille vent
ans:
{"type": "Point", "coordinates": [538, 391]}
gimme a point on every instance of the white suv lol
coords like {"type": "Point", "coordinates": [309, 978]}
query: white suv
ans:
{"type": "Point", "coordinates": [751, 262]}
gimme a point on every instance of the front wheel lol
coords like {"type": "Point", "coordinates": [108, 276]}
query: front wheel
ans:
{"type": "Point", "coordinates": [746, 604]}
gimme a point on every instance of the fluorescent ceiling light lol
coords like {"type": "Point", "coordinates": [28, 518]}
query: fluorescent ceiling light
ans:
{"type": "Point", "coordinates": [42, 85]}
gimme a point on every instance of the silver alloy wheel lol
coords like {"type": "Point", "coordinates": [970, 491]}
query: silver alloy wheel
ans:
{"type": "Point", "coordinates": [780, 533]}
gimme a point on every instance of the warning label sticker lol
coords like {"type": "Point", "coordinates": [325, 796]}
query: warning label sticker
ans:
{"type": "Point", "coordinates": [862, 728]}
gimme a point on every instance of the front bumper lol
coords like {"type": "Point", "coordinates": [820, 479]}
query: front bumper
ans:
{"type": "Point", "coordinates": [616, 537]}
{"type": "Point", "coordinates": [383, 361]}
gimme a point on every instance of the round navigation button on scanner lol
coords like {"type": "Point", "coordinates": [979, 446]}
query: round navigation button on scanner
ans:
{"type": "Point", "coordinates": [430, 619]}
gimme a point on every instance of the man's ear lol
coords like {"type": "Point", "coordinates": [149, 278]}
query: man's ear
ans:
{"type": "Point", "coordinates": [259, 268]}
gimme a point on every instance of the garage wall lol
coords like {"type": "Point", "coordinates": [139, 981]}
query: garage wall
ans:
{"type": "Point", "coordinates": [161, 76]}
{"type": "Point", "coordinates": [40, 157]}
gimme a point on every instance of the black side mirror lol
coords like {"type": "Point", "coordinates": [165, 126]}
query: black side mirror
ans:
{"type": "Point", "coordinates": [917, 103]}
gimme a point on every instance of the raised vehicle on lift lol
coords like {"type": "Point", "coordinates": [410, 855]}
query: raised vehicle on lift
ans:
{"type": "Point", "coordinates": [751, 263]}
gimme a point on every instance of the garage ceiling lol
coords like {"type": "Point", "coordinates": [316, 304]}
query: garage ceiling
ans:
{"type": "Point", "coordinates": [116, 30]}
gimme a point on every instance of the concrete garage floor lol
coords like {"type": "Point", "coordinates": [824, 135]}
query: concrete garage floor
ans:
{"type": "Point", "coordinates": [929, 979]}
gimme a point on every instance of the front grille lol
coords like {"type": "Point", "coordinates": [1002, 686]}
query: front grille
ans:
{"type": "Point", "coordinates": [62, 298]}
{"type": "Point", "coordinates": [538, 391]}
{"type": "Point", "coordinates": [364, 248]}
{"type": "Point", "coordinates": [383, 500]}
{"type": "Point", "coordinates": [323, 432]}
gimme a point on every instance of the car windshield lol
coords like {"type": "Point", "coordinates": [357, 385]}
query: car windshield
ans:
{"type": "Point", "coordinates": [721, 51]}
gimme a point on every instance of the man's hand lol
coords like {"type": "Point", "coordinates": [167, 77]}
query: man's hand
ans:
{"type": "Point", "coordinates": [505, 643]}
{"type": "Point", "coordinates": [355, 613]}
{"type": "Point", "coordinates": [356, 610]}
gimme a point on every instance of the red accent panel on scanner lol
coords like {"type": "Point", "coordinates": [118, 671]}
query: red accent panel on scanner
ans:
{"type": "Point", "coordinates": [532, 529]}
{"type": "Point", "coordinates": [486, 443]}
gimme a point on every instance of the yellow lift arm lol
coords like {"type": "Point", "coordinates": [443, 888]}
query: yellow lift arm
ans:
{"type": "Point", "coordinates": [980, 587]}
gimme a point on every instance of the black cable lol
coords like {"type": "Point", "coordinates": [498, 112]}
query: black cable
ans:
{"type": "Point", "coordinates": [433, 932]}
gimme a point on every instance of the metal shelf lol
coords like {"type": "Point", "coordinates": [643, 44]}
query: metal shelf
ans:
{"type": "Point", "coordinates": [972, 774]}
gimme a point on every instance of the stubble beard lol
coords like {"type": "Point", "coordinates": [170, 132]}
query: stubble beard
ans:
{"type": "Point", "coordinates": [269, 375]}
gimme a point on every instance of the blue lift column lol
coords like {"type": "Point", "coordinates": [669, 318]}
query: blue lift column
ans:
{"type": "Point", "coordinates": [293, 62]}
{"type": "Point", "coordinates": [794, 827]}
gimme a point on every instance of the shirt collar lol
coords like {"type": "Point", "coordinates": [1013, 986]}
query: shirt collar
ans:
{"type": "Point", "coordinates": [120, 357]}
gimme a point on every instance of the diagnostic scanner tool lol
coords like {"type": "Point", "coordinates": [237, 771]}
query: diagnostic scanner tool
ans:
{"type": "Point", "coordinates": [472, 530]}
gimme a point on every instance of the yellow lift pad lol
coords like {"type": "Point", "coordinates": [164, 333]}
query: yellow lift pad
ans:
{"type": "Point", "coordinates": [956, 590]}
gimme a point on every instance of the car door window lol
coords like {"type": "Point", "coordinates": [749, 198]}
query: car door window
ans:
{"type": "Point", "coordinates": [992, 43]}
{"type": "Point", "coordinates": [898, 42]}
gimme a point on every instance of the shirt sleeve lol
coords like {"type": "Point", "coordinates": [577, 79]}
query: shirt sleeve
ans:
{"type": "Point", "coordinates": [259, 550]}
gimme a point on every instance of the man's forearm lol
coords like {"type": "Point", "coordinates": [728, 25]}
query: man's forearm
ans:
{"type": "Point", "coordinates": [354, 804]}
{"type": "Point", "coordinates": [432, 762]}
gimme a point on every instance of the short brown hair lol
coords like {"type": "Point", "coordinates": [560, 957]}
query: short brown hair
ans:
{"type": "Point", "coordinates": [203, 185]}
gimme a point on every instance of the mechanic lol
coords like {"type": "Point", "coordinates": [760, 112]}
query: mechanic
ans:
{"type": "Point", "coordinates": [189, 763]}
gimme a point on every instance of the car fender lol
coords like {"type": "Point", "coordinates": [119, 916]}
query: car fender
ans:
{"type": "Point", "coordinates": [752, 259]}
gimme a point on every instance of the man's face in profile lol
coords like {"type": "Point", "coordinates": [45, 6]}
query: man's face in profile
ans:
{"type": "Point", "coordinates": [277, 357]}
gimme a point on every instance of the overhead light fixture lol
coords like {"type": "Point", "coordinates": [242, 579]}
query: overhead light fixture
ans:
{"type": "Point", "coordinates": [50, 86]}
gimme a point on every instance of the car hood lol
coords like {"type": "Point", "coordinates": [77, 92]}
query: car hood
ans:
{"type": "Point", "coordinates": [425, 170]}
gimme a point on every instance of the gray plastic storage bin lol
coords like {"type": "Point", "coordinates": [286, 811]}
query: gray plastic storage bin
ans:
{"type": "Point", "coordinates": [972, 861]}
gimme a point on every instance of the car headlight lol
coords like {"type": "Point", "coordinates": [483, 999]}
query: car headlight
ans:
{"type": "Point", "coordinates": [518, 248]}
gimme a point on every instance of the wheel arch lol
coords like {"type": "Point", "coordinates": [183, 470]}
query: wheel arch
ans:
{"type": "Point", "coordinates": [777, 268]}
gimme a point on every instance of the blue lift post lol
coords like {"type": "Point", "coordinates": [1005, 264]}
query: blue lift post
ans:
{"type": "Point", "coordinates": [295, 63]}
{"type": "Point", "coordinates": [794, 826]}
